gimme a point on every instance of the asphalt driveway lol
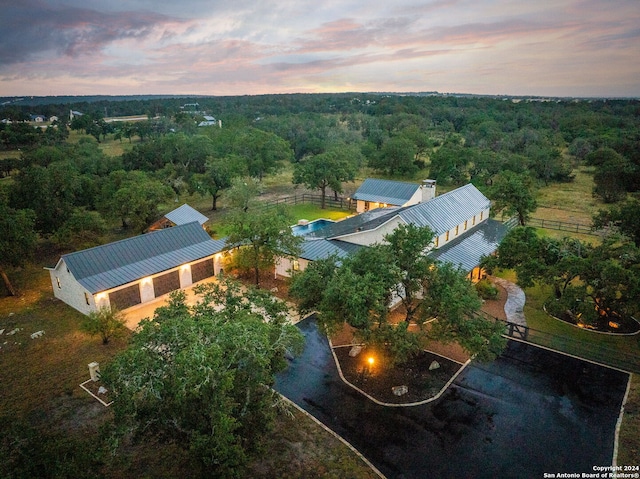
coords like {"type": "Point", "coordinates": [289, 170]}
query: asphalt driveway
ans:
{"type": "Point", "coordinates": [529, 412]}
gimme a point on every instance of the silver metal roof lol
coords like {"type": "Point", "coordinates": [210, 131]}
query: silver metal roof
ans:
{"type": "Point", "coordinates": [446, 211]}
{"type": "Point", "coordinates": [441, 214]}
{"type": "Point", "coordinates": [467, 250]}
{"type": "Point", "coordinates": [314, 249]}
{"type": "Point", "coordinates": [364, 221]}
{"type": "Point", "coordinates": [115, 264]}
{"type": "Point", "coordinates": [186, 214]}
{"type": "Point", "coordinates": [385, 191]}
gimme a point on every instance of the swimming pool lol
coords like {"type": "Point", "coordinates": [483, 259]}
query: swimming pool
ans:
{"type": "Point", "coordinates": [302, 230]}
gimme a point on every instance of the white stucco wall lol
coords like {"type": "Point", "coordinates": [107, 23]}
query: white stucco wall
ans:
{"type": "Point", "coordinates": [147, 292]}
{"type": "Point", "coordinates": [284, 266]}
{"type": "Point", "coordinates": [370, 237]}
{"type": "Point", "coordinates": [66, 288]}
{"type": "Point", "coordinates": [185, 276]}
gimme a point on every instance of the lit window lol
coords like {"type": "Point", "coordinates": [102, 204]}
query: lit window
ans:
{"type": "Point", "coordinates": [86, 299]}
{"type": "Point", "coordinates": [473, 222]}
{"type": "Point", "coordinates": [437, 240]}
{"type": "Point", "coordinates": [481, 215]}
{"type": "Point", "coordinates": [465, 224]}
{"type": "Point", "coordinates": [296, 265]}
{"type": "Point", "coordinates": [58, 281]}
{"type": "Point", "coordinates": [446, 237]}
{"type": "Point", "coordinates": [457, 229]}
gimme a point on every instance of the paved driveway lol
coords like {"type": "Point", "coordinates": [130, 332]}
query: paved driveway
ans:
{"type": "Point", "coordinates": [531, 411]}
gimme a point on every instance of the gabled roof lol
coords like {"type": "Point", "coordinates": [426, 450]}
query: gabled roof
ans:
{"type": "Point", "coordinates": [315, 249]}
{"type": "Point", "coordinates": [446, 211]}
{"type": "Point", "coordinates": [185, 214]}
{"type": "Point", "coordinates": [467, 250]}
{"type": "Point", "coordinates": [114, 264]}
{"type": "Point", "coordinates": [364, 221]}
{"type": "Point", "coordinates": [440, 214]}
{"type": "Point", "coordinates": [390, 192]}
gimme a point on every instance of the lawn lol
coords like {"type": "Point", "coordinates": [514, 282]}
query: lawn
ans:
{"type": "Point", "coordinates": [41, 401]}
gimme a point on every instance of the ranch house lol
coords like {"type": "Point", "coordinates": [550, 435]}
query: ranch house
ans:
{"type": "Point", "coordinates": [460, 220]}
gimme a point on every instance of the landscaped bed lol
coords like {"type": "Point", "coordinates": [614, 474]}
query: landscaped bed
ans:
{"type": "Point", "coordinates": [379, 378]}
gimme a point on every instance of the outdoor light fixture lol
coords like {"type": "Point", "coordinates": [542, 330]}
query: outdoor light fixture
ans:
{"type": "Point", "coordinates": [371, 360]}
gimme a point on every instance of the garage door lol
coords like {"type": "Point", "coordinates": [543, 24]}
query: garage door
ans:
{"type": "Point", "coordinates": [126, 297]}
{"type": "Point", "coordinates": [166, 283]}
{"type": "Point", "coordinates": [201, 270]}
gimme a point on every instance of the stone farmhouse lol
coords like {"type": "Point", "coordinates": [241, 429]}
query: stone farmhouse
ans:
{"type": "Point", "coordinates": [460, 220]}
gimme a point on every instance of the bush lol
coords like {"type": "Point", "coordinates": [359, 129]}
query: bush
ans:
{"type": "Point", "coordinates": [486, 289]}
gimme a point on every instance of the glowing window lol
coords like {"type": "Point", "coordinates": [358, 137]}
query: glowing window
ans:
{"type": "Point", "coordinates": [296, 265]}
{"type": "Point", "coordinates": [446, 237]}
{"type": "Point", "coordinates": [58, 281]}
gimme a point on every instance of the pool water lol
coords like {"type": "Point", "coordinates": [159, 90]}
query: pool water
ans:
{"type": "Point", "coordinates": [301, 230]}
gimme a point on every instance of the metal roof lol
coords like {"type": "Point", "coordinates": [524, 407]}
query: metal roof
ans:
{"type": "Point", "coordinates": [441, 214]}
{"type": "Point", "coordinates": [186, 214]}
{"type": "Point", "coordinates": [367, 220]}
{"type": "Point", "coordinates": [385, 191]}
{"type": "Point", "coordinates": [446, 211]}
{"type": "Point", "coordinates": [466, 250]}
{"type": "Point", "coordinates": [314, 249]}
{"type": "Point", "coordinates": [114, 264]}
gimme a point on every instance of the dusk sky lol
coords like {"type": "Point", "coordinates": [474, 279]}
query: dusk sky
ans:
{"type": "Point", "coordinates": [210, 47]}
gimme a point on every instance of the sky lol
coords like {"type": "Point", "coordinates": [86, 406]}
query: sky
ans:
{"type": "Point", "coordinates": [580, 48]}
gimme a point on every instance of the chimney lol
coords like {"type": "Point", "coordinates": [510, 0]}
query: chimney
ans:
{"type": "Point", "coordinates": [428, 188]}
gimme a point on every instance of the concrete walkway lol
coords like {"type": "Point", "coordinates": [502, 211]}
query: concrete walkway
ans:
{"type": "Point", "coordinates": [136, 313]}
{"type": "Point", "coordinates": [514, 307]}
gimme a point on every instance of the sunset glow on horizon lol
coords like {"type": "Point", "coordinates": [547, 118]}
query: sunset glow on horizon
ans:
{"type": "Point", "coordinates": [580, 48]}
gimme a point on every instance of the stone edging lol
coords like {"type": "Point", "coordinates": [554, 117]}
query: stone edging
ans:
{"type": "Point", "coordinates": [336, 435]}
{"type": "Point", "coordinates": [544, 308]}
{"type": "Point", "coordinates": [380, 403]}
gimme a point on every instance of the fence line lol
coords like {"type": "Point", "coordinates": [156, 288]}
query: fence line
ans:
{"type": "Point", "coordinates": [330, 201]}
{"type": "Point", "coordinates": [575, 347]}
{"type": "Point", "coordinates": [564, 226]}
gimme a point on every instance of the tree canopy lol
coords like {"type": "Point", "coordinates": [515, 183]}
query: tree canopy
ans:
{"type": "Point", "coordinates": [261, 235]}
{"type": "Point", "coordinates": [324, 170]}
{"type": "Point", "coordinates": [359, 289]}
{"type": "Point", "coordinates": [593, 284]}
{"type": "Point", "coordinates": [513, 195]}
{"type": "Point", "coordinates": [201, 375]}
{"type": "Point", "coordinates": [17, 239]}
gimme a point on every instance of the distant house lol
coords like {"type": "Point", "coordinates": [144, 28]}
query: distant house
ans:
{"type": "Point", "coordinates": [136, 270]}
{"type": "Point", "coordinates": [37, 118]}
{"type": "Point", "coordinates": [460, 220]}
{"type": "Point", "coordinates": [374, 193]}
{"type": "Point", "coordinates": [53, 118]}
{"type": "Point", "coordinates": [180, 216]}
{"type": "Point", "coordinates": [210, 121]}
{"type": "Point", "coordinates": [73, 114]}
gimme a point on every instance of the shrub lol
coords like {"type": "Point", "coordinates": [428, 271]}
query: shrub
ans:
{"type": "Point", "coordinates": [486, 289]}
